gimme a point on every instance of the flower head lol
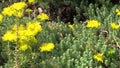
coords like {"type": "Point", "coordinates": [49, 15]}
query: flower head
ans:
{"type": "Point", "coordinates": [33, 28]}
{"type": "Point", "coordinates": [98, 57]}
{"type": "Point", "coordinates": [23, 33]}
{"type": "Point", "coordinates": [18, 6]}
{"type": "Point", "coordinates": [10, 36]}
{"type": "Point", "coordinates": [93, 24]}
{"type": "Point", "coordinates": [7, 11]}
{"type": "Point", "coordinates": [114, 26]}
{"type": "Point", "coordinates": [46, 47]}
{"type": "Point", "coordinates": [15, 9]}
{"type": "Point", "coordinates": [43, 16]}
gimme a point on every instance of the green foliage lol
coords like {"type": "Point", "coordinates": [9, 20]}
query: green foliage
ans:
{"type": "Point", "coordinates": [73, 48]}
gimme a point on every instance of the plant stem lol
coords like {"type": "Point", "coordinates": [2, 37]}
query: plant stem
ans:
{"type": "Point", "coordinates": [16, 48]}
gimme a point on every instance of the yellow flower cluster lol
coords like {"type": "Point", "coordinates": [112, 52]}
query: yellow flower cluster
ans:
{"type": "Point", "coordinates": [33, 28]}
{"type": "Point", "coordinates": [114, 26]}
{"type": "Point", "coordinates": [10, 36]}
{"type": "Point", "coordinates": [117, 12]}
{"type": "Point", "coordinates": [43, 16]}
{"type": "Point", "coordinates": [46, 47]}
{"type": "Point", "coordinates": [93, 24]}
{"type": "Point", "coordinates": [26, 35]}
{"type": "Point", "coordinates": [1, 18]}
{"type": "Point", "coordinates": [15, 9]}
{"type": "Point", "coordinates": [98, 57]}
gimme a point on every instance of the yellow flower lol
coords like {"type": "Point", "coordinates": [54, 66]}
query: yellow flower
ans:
{"type": "Point", "coordinates": [28, 10]}
{"type": "Point", "coordinates": [15, 9]}
{"type": "Point", "coordinates": [1, 18]}
{"type": "Point", "coordinates": [24, 47]}
{"type": "Point", "coordinates": [27, 33]}
{"type": "Point", "coordinates": [33, 28]}
{"type": "Point", "coordinates": [98, 57]}
{"type": "Point", "coordinates": [20, 30]}
{"type": "Point", "coordinates": [46, 47]}
{"type": "Point", "coordinates": [43, 16]}
{"type": "Point", "coordinates": [117, 12]}
{"type": "Point", "coordinates": [31, 1]}
{"type": "Point", "coordinates": [7, 11]}
{"type": "Point", "coordinates": [19, 27]}
{"type": "Point", "coordinates": [23, 33]}
{"type": "Point", "coordinates": [93, 24]}
{"type": "Point", "coordinates": [10, 36]}
{"type": "Point", "coordinates": [71, 26]}
{"type": "Point", "coordinates": [18, 6]}
{"type": "Point", "coordinates": [114, 26]}
{"type": "Point", "coordinates": [14, 33]}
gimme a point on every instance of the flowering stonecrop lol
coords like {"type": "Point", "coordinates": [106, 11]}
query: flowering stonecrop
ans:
{"type": "Point", "coordinates": [117, 12]}
{"type": "Point", "coordinates": [46, 47]}
{"type": "Point", "coordinates": [24, 34]}
{"type": "Point", "coordinates": [33, 28]}
{"type": "Point", "coordinates": [7, 11]}
{"type": "Point", "coordinates": [1, 18]}
{"type": "Point", "coordinates": [15, 9]}
{"type": "Point", "coordinates": [18, 6]}
{"type": "Point", "coordinates": [43, 16]}
{"type": "Point", "coordinates": [93, 24]}
{"type": "Point", "coordinates": [21, 30]}
{"type": "Point", "coordinates": [98, 57]}
{"type": "Point", "coordinates": [114, 25]}
{"type": "Point", "coordinates": [10, 36]}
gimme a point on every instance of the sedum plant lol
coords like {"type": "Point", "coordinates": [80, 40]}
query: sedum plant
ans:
{"type": "Point", "coordinates": [27, 42]}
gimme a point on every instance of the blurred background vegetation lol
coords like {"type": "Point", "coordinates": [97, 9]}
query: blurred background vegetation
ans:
{"type": "Point", "coordinates": [69, 8]}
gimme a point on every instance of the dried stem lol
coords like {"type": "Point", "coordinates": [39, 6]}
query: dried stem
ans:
{"type": "Point", "coordinates": [116, 42]}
